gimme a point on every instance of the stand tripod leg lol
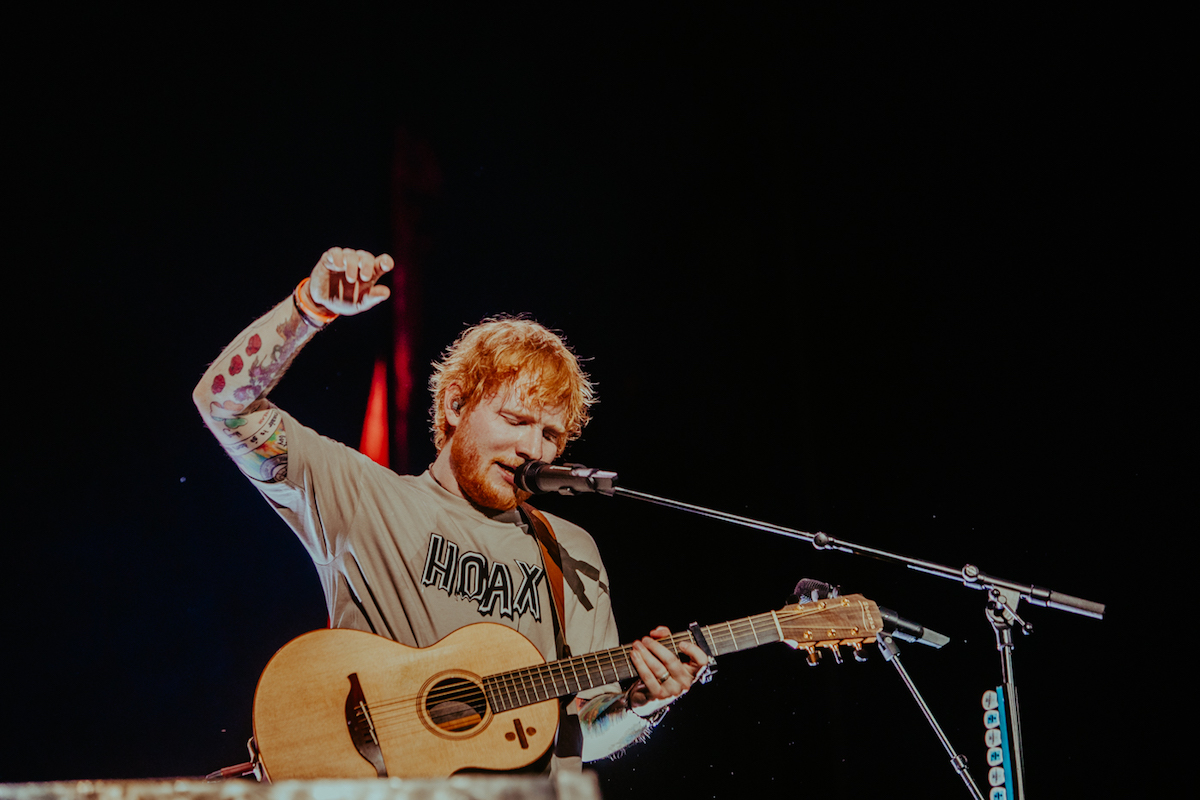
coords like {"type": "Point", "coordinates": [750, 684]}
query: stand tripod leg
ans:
{"type": "Point", "coordinates": [891, 653]}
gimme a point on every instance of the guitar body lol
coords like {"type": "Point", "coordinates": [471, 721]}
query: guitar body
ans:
{"type": "Point", "coordinates": [347, 704]}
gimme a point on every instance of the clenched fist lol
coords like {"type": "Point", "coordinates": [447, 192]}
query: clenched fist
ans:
{"type": "Point", "coordinates": [344, 280]}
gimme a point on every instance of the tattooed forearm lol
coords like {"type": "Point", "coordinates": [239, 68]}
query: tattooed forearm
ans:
{"type": "Point", "coordinates": [255, 361]}
{"type": "Point", "coordinates": [231, 394]}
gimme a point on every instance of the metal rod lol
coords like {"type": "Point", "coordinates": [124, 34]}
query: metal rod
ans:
{"type": "Point", "coordinates": [969, 575]}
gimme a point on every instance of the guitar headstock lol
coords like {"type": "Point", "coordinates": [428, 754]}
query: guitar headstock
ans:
{"type": "Point", "coordinates": [830, 623]}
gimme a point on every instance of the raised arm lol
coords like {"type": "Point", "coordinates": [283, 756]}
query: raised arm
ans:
{"type": "Point", "coordinates": [231, 394]}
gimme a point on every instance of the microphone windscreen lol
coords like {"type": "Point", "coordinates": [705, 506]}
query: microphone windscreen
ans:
{"type": "Point", "coordinates": [808, 590]}
{"type": "Point", "coordinates": [526, 476]}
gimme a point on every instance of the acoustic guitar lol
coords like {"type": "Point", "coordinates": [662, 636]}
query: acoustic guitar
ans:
{"type": "Point", "coordinates": [347, 704]}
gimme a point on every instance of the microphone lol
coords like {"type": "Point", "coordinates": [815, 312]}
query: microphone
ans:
{"type": "Point", "coordinates": [909, 631]}
{"type": "Point", "coordinates": [539, 477]}
{"type": "Point", "coordinates": [809, 590]}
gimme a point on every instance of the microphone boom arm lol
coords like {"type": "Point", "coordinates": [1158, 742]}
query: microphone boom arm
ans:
{"type": "Point", "coordinates": [970, 575]}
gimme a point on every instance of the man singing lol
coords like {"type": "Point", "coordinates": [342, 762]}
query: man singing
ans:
{"type": "Point", "coordinates": [415, 558]}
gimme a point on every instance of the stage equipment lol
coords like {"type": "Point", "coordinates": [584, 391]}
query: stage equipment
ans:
{"type": "Point", "coordinates": [1003, 595]}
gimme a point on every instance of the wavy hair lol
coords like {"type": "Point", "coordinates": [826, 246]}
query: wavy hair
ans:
{"type": "Point", "coordinates": [497, 351]}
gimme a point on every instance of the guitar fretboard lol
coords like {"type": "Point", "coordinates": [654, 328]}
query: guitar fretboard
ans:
{"type": "Point", "coordinates": [570, 676]}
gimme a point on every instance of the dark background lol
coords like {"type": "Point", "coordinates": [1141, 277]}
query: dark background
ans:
{"type": "Point", "coordinates": [902, 276]}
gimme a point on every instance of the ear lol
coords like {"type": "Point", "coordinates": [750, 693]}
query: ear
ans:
{"type": "Point", "coordinates": [452, 405]}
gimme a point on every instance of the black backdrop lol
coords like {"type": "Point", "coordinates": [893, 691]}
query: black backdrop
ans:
{"type": "Point", "coordinates": [899, 276]}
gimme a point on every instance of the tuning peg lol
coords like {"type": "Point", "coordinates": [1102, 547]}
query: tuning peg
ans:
{"type": "Point", "coordinates": [837, 653]}
{"type": "Point", "coordinates": [859, 654]}
{"type": "Point", "coordinates": [814, 657]}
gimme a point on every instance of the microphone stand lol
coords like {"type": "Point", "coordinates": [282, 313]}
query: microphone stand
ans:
{"type": "Point", "coordinates": [1003, 596]}
{"type": "Point", "coordinates": [891, 653]}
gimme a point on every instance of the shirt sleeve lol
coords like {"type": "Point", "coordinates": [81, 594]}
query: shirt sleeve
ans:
{"type": "Point", "coordinates": [319, 494]}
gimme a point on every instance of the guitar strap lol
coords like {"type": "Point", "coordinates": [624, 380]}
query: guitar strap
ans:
{"type": "Point", "coordinates": [552, 558]}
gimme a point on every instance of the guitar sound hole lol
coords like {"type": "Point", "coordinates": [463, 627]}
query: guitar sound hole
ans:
{"type": "Point", "coordinates": [456, 705]}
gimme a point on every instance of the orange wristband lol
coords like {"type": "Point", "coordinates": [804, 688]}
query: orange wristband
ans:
{"type": "Point", "coordinates": [314, 315]}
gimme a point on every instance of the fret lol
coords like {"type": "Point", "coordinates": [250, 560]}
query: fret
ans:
{"type": "Point", "coordinates": [581, 663]}
{"type": "Point", "coordinates": [562, 673]}
{"type": "Point", "coordinates": [629, 665]}
{"type": "Point", "coordinates": [524, 686]}
{"type": "Point", "coordinates": [560, 686]}
{"type": "Point", "coordinates": [505, 698]}
{"type": "Point", "coordinates": [588, 664]}
{"type": "Point", "coordinates": [575, 676]}
{"type": "Point", "coordinates": [510, 691]}
{"type": "Point", "coordinates": [595, 671]}
{"type": "Point", "coordinates": [511, 686]}
{"type": "Point", "coordinates": [713, 643]}
{"type": "Point", "coordinates": [491, 686]}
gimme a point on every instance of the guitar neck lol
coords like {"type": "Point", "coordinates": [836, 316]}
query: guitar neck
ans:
{"type": "Point", "coordinates": [570, 676]}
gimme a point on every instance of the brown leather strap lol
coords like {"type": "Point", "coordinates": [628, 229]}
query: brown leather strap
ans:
{"type": "Point", "coordinates": [552, 559]}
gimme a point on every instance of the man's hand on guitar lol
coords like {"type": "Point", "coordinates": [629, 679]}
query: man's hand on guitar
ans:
{"type": "Point", "coordinates": [344, 281]}
{"type": "Point", "coordinates": [663, 677]}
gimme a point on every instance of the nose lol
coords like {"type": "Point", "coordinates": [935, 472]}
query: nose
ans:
{"type": "Point", "coordinates": [529, 444]}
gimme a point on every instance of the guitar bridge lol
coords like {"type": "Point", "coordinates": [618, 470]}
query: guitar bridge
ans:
{"type": "Point", "coordinates": [362, 727]}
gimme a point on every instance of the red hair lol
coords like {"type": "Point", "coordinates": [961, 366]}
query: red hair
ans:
{"type": "Point", "coordinates": [498, 351]}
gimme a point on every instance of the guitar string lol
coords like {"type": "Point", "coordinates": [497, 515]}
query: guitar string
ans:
{"type": "Point", "coordinates": [517, 682]}
{"type": "Point", "coordinates": [513, 683]}
{"type": "Point", "coordinates": [522, 684]}
{"type": "Point", "coordinates": [401, 722]}
{"type": "Point", "coordinates": [501, 689]}
{"type": "Point", "coordinates": [395, 721]}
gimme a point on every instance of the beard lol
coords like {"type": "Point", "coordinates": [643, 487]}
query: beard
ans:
{"type": "Point", "coordinates": [471, 472]}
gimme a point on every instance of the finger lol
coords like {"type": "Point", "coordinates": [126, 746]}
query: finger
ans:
{"type": "Point", "coordinates": [652, 670]}
{"type": "Point", "coordinates": [384, 263]}
{"type": "Point", "coordinates": [338, 263]}
{"type": "Point", "coordinates": [334, 260]}
{"type": "Point", "coordinates": [375, 296]}
{"type": "Point", "coordinates": [694, 653]}
{"type": "Point", "coordinates": [366, 265]}
{"type": "Point", "coordinates": [697, 658]}
{"type": "Point", "coordinates": [664, 656]}
{"type": "Point", "coordinates": [325, 262]}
